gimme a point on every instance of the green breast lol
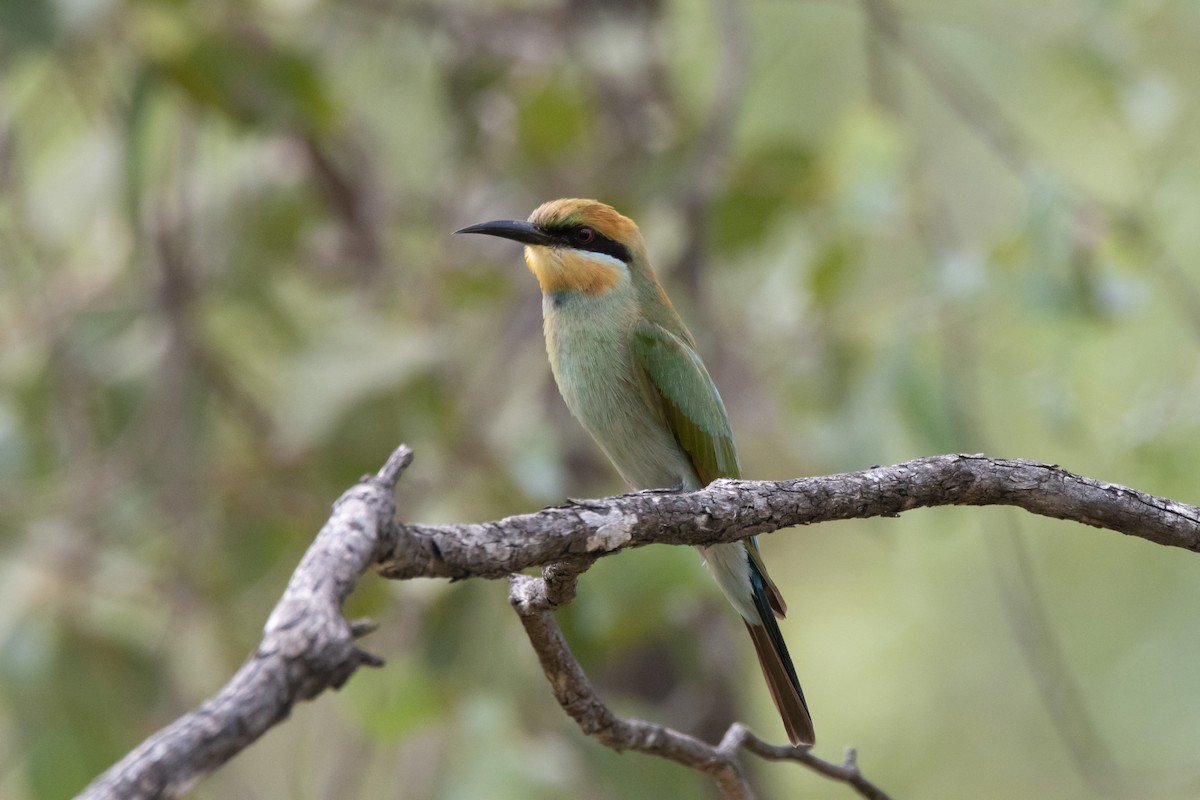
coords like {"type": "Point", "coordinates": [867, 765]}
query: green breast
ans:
{"type": "Point", "coordinates": [588, 341]}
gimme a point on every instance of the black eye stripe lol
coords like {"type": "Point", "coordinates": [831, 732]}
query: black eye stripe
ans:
{"type": "Point", "coordinates": [568, 237]}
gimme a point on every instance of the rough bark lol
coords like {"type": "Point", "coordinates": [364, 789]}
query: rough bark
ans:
{"type": "Point", "coordinates": [728, 510]}
{"type": "Point", "coordinates": [308, 646]}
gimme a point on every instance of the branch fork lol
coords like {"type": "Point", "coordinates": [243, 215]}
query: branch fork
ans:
{"type": "Point", "coordinates": [308, 646]}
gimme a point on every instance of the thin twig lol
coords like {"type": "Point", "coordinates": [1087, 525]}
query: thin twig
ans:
{"type": "Point", "coordinates": [740, 737]}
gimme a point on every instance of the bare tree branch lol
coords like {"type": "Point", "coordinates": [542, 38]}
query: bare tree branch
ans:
{"type": "Point", "coordinates": [308, 646]}
{"type": "Point", "coordinates": [535, 600]}
{"type": "Point", "coordinates": [729, 510]}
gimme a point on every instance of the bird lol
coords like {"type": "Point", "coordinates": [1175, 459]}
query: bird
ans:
{"type": "Point", "coordinates": [627, 367]}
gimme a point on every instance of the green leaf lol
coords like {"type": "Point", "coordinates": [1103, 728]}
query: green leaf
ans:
{"type": "Point", "coordinates": [25, 25]}
{"type": "Point", "coordinates": [830, 269]}
{"type": "Point", "coordinates": [254, 82]}
{"type": "Point", "coordinates": [553, 121]}
{"type": "Point", "coordinates": [768, 183]}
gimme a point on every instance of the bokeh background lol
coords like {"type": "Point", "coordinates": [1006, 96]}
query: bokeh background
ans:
{"type": "Point", "coordinates": [228, 288]}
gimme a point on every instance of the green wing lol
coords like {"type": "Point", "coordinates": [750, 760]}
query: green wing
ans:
{"type": "Point", "coordinates": [689, 401]}
{"type": "Point", "coordinates": [696, 416]}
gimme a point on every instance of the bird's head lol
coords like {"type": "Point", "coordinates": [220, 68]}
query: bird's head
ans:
{"type": "Point", "coordinates": [574, 245]}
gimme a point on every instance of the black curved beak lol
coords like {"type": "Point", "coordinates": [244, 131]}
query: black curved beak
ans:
{"type": "Point", "coordinates": [517, 230]}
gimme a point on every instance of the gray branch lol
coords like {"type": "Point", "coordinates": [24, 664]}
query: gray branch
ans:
{"type": "Point", "coordinates": [729, 510]}
{"type": "Point", "coordinates": [308, 646]}
{"type": "Point", "coordinates": [535, 600]}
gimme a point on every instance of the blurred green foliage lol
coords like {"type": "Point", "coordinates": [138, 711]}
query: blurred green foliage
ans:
{"type": "Point", "coordinates": [228, 288]}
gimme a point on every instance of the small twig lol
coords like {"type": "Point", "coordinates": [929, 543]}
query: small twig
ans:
{"type": "Point", "coordinates": [389, 474]}
{"type": "Point", "coordinates": [740, 737]}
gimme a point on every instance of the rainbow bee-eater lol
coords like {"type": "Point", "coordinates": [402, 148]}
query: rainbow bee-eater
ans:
{"type": "Point", "coordinates": [627, 367]}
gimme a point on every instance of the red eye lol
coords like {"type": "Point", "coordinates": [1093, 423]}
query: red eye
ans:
{"type": "Point", "coordinates": [585, 235]}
